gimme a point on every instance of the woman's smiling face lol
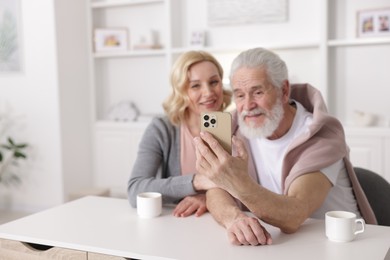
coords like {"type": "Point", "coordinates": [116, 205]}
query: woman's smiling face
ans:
{"type": "Point", "coordinates": [205, 89]}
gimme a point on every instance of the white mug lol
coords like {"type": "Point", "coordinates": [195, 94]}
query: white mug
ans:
{"type": "Point", "coordinates": [149, 204]}
{"type": "Point", "coordinates": [341, 226]}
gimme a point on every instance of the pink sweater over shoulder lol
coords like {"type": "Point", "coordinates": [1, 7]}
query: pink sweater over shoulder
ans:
{"type": "Point", "coordinates": [322, 145]}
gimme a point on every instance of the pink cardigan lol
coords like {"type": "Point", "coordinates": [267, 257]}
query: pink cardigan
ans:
{"type": "Point", "coordinates": [322, 145]}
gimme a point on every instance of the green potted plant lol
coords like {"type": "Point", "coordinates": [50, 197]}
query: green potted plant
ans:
{"type": "Point", "coordinates": [10, 155]}
{"type": "Point", "coordinates": [11, 152]}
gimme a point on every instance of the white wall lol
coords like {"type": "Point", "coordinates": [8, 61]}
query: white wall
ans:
{"type": "Point", "coordinates": [52, 94]}
{"type": "Point", "coordinates": [33, 93]}
{"type": "Point", "coordinates": [73, 48]}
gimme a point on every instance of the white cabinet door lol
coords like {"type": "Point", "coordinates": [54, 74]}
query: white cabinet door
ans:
{"type": "Point", "coordinates": [366, 152]}
{"type": "Point", "coordinates": [115, 153]}
{"type": "Point", "coordinates": [370, 149]}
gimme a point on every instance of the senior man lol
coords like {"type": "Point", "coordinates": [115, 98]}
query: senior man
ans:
{"type": "Point", "coordinates": [291, 160]}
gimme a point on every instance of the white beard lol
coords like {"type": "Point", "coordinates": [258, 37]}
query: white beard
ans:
{"type": "Point", "coordinates": [271, 122]}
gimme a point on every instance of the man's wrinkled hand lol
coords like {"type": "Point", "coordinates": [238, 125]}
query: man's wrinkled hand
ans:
{"type": "Point", "coordinates": [226, 171]}
{"type": "Point", "coordinates": [248, 231]}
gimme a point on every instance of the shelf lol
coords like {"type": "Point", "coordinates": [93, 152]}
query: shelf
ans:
{"type": "Point", "coordinates": [273, 46]}
{"type": "Point", "coordinates": [143, 53]}
{"type": "Point", "coordinates": [136, 53]}
{"type": "Point", "coordinates": [358, 42]}
{"type": "Point", "coordinates": [107, 124]}
{"type": "Point", "coordinates": [368, 131]}
{"type": "Point", "coordinates": [116, 3]}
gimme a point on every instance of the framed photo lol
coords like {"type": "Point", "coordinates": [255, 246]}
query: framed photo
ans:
{"type": "Point", "coordinates": [111, 39]}
{"type": "Point", "coordinates": [374, 23]}
{"type": "Point", "coordinates": [11, 53]}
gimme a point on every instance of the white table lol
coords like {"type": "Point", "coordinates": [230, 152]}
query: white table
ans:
{"type": "Point", "coordinates": [110, 226]}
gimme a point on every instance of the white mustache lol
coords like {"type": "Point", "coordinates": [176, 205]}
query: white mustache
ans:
{"type": "Point", "coordinates": [253, 112]}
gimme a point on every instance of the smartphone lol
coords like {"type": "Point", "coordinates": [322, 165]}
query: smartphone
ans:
{"type": "Point", "coordinates": [219, 124]}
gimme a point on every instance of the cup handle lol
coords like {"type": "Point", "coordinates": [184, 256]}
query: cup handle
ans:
{"type": "Point", "coordinates": [363, 223]}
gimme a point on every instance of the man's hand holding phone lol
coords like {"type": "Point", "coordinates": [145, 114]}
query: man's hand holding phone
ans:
{"type": "Point", "coordinates": [219, 125]}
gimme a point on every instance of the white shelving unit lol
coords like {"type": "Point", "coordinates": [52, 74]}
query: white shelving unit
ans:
{"type": "Point", "coordinates": [357, 66]}
{"type": "Point", "coordinates": [137, 75]}
{"type": "Point", "coordinates": [356, 71]}
{"type": "Point", "coordinates": [319, 46]}
{"type": "Point", "coordinates": [176, 20]}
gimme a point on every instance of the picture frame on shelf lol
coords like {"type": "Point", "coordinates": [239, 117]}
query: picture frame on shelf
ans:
{"type": "Point", "coordinates": [111, 39]}
{"type": "Point", "coordinates": [373, 23]}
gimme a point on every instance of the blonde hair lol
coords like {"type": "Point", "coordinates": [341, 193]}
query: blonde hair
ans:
{"type": "Point", "coordinates": [175, 106]}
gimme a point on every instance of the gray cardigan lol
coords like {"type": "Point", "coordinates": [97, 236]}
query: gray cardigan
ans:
{"type": "Point", "coordinates": [157, 167]}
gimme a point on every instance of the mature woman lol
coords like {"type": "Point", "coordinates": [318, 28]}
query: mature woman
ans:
{"type": "Point", "coordinates": [166, 157]}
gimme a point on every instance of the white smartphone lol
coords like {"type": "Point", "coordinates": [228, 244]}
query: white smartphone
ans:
{"type": "Point", "coordinates": [219, 124]}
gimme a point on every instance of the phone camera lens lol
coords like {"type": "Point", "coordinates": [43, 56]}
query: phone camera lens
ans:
{"type": "Point", "coordinates": [206, 117]}
{"type": "Point", "coordinates": [206, 124]}
{"type": "Point", "coordinates": [213, 121]}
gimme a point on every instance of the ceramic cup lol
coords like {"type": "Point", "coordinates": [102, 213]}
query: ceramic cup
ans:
{"type": "Point", "coordinates": [341, 226]}
{"type": "Point", "coordinates": [149, 204]}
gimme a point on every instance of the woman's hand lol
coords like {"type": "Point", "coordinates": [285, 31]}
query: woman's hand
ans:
{"type": "Point", "coordinates": [195, 204]}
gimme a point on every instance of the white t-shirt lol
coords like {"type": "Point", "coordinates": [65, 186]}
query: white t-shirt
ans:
{"type": "Point", "coordinates": [273, 152]}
